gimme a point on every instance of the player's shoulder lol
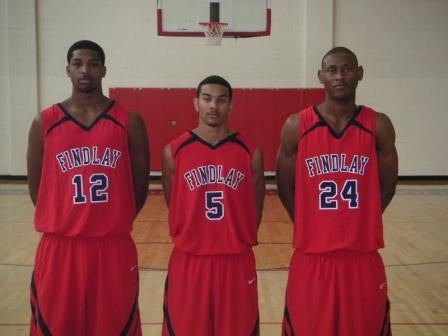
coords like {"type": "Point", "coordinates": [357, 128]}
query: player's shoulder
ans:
{"type": "Point", "coordinates": [117, 110]}
{"type": "Point", "coordinates": [368, 112]}
{"type": "Point", "coordinates": [52, 111]}
{"type": "Point", "coordinates": [181, 141]}
{"type": "Point", "coordinates": [51, 116]}
{"type": "Point", "coordinates": [243, 141]}
{"type": "Point", "coordinates": [117, 107]}
{"type": "Point", "coordinates": [186, 136]}
{"type": "Point", "coordinates": [373, 119]}
{"type": "Point", "coordinates": [307, 116]}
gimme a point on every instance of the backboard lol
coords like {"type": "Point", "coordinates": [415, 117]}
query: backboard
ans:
{"type": "Point", "coordinates": [244, 18]}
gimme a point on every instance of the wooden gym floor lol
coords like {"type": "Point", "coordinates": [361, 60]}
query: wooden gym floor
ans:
{"type": "Point", "coordinates": [416, 258]}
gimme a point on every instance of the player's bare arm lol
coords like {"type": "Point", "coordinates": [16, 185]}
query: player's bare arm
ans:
{"type": "Point", "coordinates": [140, 158]}
{"type": "Point", "coordinates": [167, 173]}
{"type": "Point", "coordinates": [258, 182]}
{"type": "Point", "coordinates": [286, 163]}
{"type": "Point", "coordinates": [387, 158]}
{"type": "Point", "coordinates": [34, 158]}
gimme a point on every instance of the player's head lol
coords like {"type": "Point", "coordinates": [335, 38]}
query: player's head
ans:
{"type": "Point", "coordinates": [213, 101]}
{"type": "Point", "coordinates": [340, 50]}
{"type": "Point", "coordinates": [86, 67]}
{"type": "Point", "coordinates": [214, 79]}
{"type": "Point", "coordinates": [340, 73]}
{"type": "Point", "coordinates": [86, 44]}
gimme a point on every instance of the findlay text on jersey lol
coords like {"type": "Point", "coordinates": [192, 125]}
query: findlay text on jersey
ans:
{"type": "Point", "coordinates": [336, 163]}
{"type": "Point", "coordinates": [213, 174]}
{"type": "Point", "coordinates": [85, 156]}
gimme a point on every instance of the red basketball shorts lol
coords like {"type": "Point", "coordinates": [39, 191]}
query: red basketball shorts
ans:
{"type": "Point", "coordinates": [340, 293]}
{"type": "Point", "coordinates": [85, 286]}
{"type": "Point", "coordinates": [211, 295]}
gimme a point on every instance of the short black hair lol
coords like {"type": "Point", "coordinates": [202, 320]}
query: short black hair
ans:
{"type": "Point", "coordinates": [214, 79]}
{"type": "Point", "coordinates": [86, 44]}
{"type": "Point", "coordinates": [339, 50]}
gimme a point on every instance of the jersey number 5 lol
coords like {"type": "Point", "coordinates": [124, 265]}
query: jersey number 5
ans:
{"type": "Point", "coordinates": [98, 189]}
{"type": "Point", "coordinates": [329, 192]}
{"type": "Point", "coordinates": [213, 205]}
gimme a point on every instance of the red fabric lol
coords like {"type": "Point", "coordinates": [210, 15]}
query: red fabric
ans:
{"type": "Point", "coordinates": [85, 286]}
{"type": "Point", "coordinates": [338, 202]}
{"type": "Point", "coordinates": [212, 205]}
{"type": "Point", "coordinates": [338, 293]}
{"type": "Point", "coordinates": [86, 186]}
{"type": "Point", "coordinates": [211, 295]}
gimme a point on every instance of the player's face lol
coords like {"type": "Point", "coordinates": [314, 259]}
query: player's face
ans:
{"type": "Point", "coordinates": [340, 75]}
{"type": "Point", "coordinates": [86, 70]}
{"type": "Point", "coordinates": [213, 104]}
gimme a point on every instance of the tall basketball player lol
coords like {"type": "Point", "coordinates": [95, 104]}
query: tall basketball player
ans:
{"type": "Point", "coordinates": [214, 187]}
{"type": "Point", "coordinates": [88, 178]}
{"type": "Point", "coordinates": [336, 173]}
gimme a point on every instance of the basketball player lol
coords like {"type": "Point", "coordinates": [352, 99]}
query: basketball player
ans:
{"type": "Point", "coordinates": [88, 178]}
{"type": "Point", "coordinates": [214, 187]}
{"type": "Point", "coordinates": [336, 173]}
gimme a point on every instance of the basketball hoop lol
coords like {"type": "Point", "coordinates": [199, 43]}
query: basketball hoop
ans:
{"type": "Point", "coordinates": [213, 32]}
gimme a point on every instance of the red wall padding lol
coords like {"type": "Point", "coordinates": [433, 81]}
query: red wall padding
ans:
{"type": "Point", "coordinates": [257, 113]}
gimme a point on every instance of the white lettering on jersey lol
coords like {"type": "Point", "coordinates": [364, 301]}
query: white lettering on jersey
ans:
{"type": "Point", "coordinates": [336, 163]}
{"type": "Point", "coordinates": [213, 174]}
{"type": "Point", "coordinates": [85, 156]}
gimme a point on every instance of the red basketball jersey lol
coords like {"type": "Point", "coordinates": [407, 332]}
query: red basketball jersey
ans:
{"type": "Point", "coordinates": [212, 205]}
{"type": "Point", "coordinates": [86, 186]}
{"type": "Point", "coordinates": [338, 201]}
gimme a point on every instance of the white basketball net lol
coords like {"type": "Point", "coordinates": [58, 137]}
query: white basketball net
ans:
{"type": "Point", "coordinates": [213, 32]}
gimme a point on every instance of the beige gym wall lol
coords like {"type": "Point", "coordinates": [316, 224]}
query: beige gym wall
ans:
{"type": "Point", "coordinates": [401, 44]}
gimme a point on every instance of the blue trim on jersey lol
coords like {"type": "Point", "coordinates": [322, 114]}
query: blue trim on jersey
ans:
{"type": "Point", "coordinates": [115, 121]}
{"type": "Point", "coordinates": [63, 120]}
{"type": "Point", "coordinates": [241, 143]}
{"type": "Point", "coordinates": [233, 137]}
{"type": "Point", "coordinates": [351, 122]}
{"type": "Point", "coordinates": [230, 138]}
{"type": "Point", "coordinates": [98, 118]}
{"type": "Point", "coordinates": [183, 144]}
{"type": "Point", "coordinates": [320, 123]}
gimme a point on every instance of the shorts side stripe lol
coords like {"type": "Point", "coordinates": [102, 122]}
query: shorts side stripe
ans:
{"type": "Point", "coordinates": [132, 318]}
{"type": "Point", "coordinates": [385, 329]}
{"type": "Point", "coordinates": [287, 329]}
{"type": "Point", "coordinates": [166, 314]}
{"type": "Point", "coordinates": [37, 316]}
{"type": "Point", "coordinates": [256, 329]}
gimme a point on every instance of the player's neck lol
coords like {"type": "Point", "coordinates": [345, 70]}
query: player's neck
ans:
{"type": "Point", "coordinates": [87, 100]}
{"type": "Point", "coordinates": [85, 108]}
{"type": "Point", "coordinates": [211, 134]}
{"type": "Point", "coordinates": [338, 109]}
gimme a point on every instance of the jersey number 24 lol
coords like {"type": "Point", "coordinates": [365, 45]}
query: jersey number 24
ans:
{"type": "Point", "coordinates": [328, 196]}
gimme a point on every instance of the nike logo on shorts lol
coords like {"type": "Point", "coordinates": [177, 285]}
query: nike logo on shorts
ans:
{"type": "Point", "coordinates": [251, 281]}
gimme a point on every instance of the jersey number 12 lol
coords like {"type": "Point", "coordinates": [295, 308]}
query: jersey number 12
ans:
{"type": "Point", "coordinates": [97, 189]}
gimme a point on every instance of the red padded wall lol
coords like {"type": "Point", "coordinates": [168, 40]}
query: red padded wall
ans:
{"type": "Point", "coordinates": [126, 96]}
{"type": "Point", "coordinates": [257, 113]}
{"type": "Point", "coordinates": [312, 97]}
{"type": "Point", "coordinates": [151, 106]}
{"type": "Point", "coordinates": [180, 114]}
{"type": "Point", "coordinates": [252, 114]}
{"type": "Point", "coordinates": [286, 103]}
